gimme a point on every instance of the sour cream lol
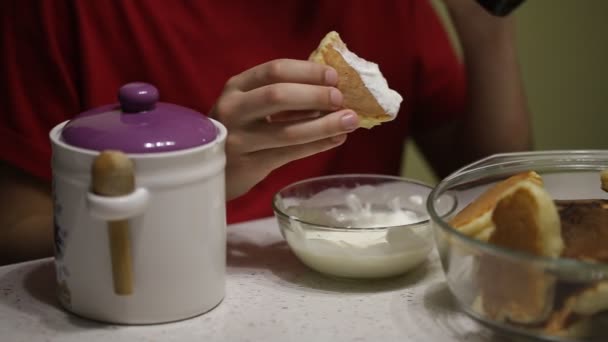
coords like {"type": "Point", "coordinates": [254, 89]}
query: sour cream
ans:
{"type": "Point", "coordinates": [373, 241]}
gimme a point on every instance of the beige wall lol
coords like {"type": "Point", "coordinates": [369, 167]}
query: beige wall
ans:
{"type": "Point", "coordinates": [563, 50]}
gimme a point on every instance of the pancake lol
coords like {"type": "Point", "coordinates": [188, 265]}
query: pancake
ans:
{"type": "Point", "coordinates": [585, 233]}
{"type": "Point", "coordinates": [519, 214]}
{"type": "Point", "coordinates": [526, 220]}
{"type": "Point", "coordinates": [363, 86]}
{"type": "Point", "coordinates": [475, 219]}
{"type": "Point", "coordinates": [584, 229]}
{"type": "Point", "coordinates": [575, 314]}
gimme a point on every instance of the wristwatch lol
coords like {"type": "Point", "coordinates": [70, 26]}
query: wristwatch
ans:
{"type": "Point", "coordinates": [500, 8]}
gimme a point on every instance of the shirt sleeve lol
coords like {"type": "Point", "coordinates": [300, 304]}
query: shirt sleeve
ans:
{"type": "Point", "coordinates": [440, 83]}
{"type": "Point", "coordinates": [37, 80]}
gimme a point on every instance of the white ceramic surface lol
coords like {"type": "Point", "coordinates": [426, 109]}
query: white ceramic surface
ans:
{"type": "Point", "coordinates": [177, 232]}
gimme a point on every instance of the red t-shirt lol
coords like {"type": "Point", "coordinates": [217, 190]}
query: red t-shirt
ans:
{"type": "Point", "coordinates": [62, 57]}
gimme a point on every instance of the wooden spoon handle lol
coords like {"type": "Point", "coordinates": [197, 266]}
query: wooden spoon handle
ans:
{"type": "Point", "coordinates": [113, 175]}
{"type": "Point", "coordinates": [120, 249]}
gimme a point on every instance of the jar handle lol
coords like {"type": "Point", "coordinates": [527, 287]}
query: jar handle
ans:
{"type": "Point", "coordinates": [120, 207]}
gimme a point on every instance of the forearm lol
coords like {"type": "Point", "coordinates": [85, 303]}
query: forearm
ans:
{"type": "Point", "coordinates": [25, 218]}
{"type": "Point", "coordinates": [497, 119]}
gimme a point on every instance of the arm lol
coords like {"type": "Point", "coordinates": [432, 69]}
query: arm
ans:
{"type": "Point", "coordinates": [497, 118]}
{"type": "Point", "coordinates": [38, 73]}
{"type": "Point", "coordinates": [26, 217]}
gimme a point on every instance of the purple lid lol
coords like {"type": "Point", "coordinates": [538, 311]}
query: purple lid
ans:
{"type": "Point", "coordinates": [139, 124]}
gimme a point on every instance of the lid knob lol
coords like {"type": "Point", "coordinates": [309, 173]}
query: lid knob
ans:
{"type": "Point", "coordinates": [137, 97]}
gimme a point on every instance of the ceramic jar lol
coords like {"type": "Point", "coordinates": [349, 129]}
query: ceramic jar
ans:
{"type": "Point", "coordinates": [174, 222]}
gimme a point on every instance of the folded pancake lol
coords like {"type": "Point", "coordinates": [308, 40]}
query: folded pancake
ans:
{"type": "Point", "coordinates": [475, 219]}
{"type": "Point", "coordinates": [363, 86]}
{"type": "Point", "coordinates": [525, 219]}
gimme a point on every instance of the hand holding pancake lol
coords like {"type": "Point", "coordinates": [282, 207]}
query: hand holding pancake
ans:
{"type": "Point", "coordinates": [292, 93]}
{"type": "Point", "coordinates": [287, 109]}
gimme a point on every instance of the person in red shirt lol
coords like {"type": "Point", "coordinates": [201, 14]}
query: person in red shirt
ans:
{"type": "Point", "coordinates": [240, 61]}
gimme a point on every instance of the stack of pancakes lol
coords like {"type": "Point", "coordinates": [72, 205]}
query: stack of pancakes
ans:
{"type": "Point", "coordinates": [519, 214]}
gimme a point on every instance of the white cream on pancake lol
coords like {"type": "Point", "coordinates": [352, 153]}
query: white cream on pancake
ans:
{"type": "Point", "coordinates": [373, 79]}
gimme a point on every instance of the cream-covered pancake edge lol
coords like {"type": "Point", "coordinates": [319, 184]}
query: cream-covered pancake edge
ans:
{"type": "Point", "coordinates": [365, 89]}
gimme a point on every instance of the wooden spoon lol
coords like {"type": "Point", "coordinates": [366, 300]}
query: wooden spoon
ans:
{"type": "Point", "coordinates": [113, 176]}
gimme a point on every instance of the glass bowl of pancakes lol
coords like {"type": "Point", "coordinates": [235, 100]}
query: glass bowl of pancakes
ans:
{"type": "Point", "coordinates": [526, 250]}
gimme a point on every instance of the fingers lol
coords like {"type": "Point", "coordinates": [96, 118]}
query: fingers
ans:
{"type": "Point", "coordinates": [284, 71]}
{"type": "Point", "coordinates": [277, 157]}
{"type": "Point", "coordinates": [246, 170]}
{"type": "Point", "coordinates": [238, 109]}
{"type": "Point", "coordinates": [262, 135]}
{"type": "Point", "coordinates": [293, 116]}
{"type": "Point", "coordinates": [278, 86]}
{"type": "Point", "coordinates": [273, 113]}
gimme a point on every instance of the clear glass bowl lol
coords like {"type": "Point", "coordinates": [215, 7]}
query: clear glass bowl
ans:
{"type": "Point", "coordinates": [358, 226]}
{"type": "Point", "coordinates": [473, 267]}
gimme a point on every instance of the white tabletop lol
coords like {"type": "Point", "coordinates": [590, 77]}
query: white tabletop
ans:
{"type": "Point", "coordinates": [270, 296]}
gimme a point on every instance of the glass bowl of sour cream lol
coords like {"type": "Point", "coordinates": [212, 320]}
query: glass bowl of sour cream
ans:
{"type": "Point", "coordinates": [358, 225]}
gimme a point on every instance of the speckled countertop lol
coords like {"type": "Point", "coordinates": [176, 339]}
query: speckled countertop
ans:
{"type": "Point", "coordinates": [270, 296]}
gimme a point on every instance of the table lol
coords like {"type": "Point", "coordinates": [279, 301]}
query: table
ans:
{"type": "Point", "coordinates": [271, 296]}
